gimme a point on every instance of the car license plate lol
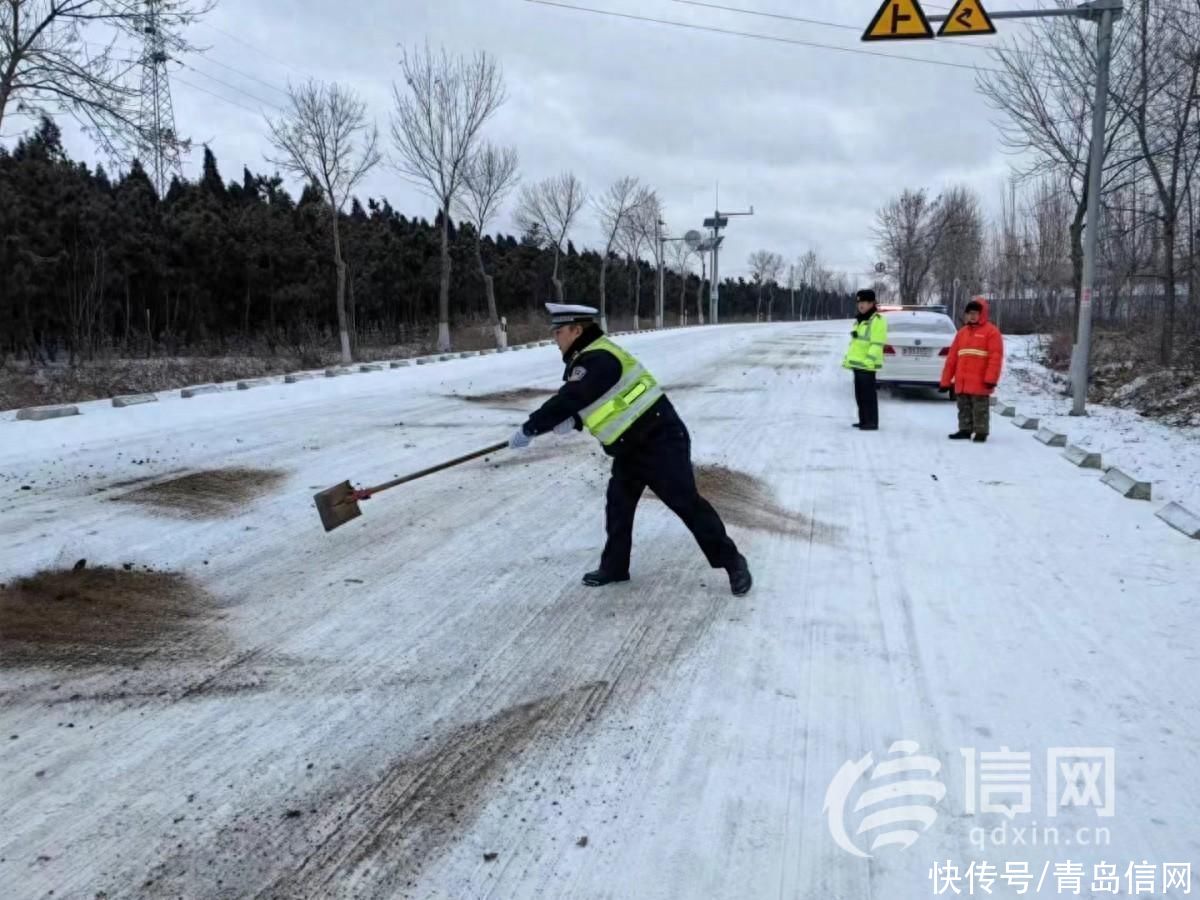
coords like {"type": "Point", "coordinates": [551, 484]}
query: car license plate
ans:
{"type": "Point", "coordinates": [922, 352]}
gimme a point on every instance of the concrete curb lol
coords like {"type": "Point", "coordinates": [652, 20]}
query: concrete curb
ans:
{"type": "Point", "coordinates": [337, 371]}
{"type": "Point", "coordinates": [467, 354]}
{"type": "Point", "coordinates": [399, 363]}
{"type": "Point", "coordinates": [423, 360]}
{"type": "Point", "coordinates": [1005, 410]}
{"type": "Point", "coordinates": [189, 392]}
{"type": "Point", "coordinates": [133, 400]}
{"type": "Point", "coordinates": [1126, 485]}
{"type": "Point", "coordinates": [295, 377]}
{"type": "Point", "coordinates": [42, 413]}
{"type": "Point", "coordinates": [1051, 438]}
{"type": "Point", "coordinates": [1181, 520]}
{"type": "Point", "coordinates": [445, 357]}
{"type": "Point", "coordinates": [993, 401]}
{"type": "Point", "coordinates": [371, 367]}
{"type": "Point", "coordinates": [1025, 423]}
{"type": "Point", "coordinates": [1084, 459]}
{"type": "Point", "coordinates": [252, 383]}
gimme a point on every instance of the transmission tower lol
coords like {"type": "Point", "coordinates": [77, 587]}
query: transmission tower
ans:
{"type": "Point", "coordinates": [158, 145]}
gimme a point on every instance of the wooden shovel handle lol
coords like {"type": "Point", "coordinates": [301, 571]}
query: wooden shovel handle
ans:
{"type": "Point", "coordinates": [439, 467]}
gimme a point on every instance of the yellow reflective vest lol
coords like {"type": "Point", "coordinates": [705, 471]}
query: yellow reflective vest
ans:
{"type": "Point", "coordinates": [625, 402]}
{"type": "Point", "coordinates": [866, 347]}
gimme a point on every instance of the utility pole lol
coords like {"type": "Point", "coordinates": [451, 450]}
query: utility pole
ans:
{"type": "Point", "coordinates": [1103, 13]}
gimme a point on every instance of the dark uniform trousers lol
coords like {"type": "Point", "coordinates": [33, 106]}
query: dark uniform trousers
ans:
{"type": "Point", "coordinates": [867, 397]}
{"type": "Point", "coordinates": [662, 463]}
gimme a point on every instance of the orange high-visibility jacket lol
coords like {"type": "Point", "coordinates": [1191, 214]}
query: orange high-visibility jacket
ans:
{"type": "Point", "coordinates": [976, 357]}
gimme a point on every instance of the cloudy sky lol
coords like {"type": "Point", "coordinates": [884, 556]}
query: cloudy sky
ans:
{"type": "Point", "coordinates": [815, 139]}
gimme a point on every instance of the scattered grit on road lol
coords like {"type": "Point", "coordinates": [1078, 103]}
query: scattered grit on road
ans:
{"type": "Point", "coordinates": [203, 695]}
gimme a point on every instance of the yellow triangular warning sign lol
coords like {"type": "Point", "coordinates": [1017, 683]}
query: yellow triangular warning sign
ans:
{"type": "Point", "coordinates": [967, 17]}
{"type": "Point", "coordinates": [898, 20]}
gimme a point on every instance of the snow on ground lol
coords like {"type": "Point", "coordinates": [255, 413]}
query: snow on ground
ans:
{"type": "Point", "coordinates": [426, 703]}
{"type": "Point", "coordinates": [1168, 456]}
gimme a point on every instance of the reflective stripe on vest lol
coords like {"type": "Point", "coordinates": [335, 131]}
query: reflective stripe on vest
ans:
{"type": "Point", "coordinates": [620, 406]}
{"type": "Point", "coordinates": [966, 352]}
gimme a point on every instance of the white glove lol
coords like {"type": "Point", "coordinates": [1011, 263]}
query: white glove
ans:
{"type": "Point", "coordinates": [566, 426]}
{"type": "Point", "coordinates": [520, 440]}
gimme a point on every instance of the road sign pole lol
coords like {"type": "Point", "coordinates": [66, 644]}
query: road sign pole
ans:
{"type": "Point", "coordinates": [1081, 357]}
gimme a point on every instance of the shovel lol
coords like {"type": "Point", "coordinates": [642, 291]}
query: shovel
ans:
{"type": "Point", "coordinates": [339, 504]}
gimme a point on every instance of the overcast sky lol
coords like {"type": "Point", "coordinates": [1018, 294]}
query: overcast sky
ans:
{"type": "Point", "coordinates": [814, 139]}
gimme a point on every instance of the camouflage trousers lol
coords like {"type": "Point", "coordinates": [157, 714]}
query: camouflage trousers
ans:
{"type": "Point", "coordinates": [974, 413]}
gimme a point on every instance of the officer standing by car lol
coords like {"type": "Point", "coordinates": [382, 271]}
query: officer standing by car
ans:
{"type": "Point", "coordinates": [610, 394]}
{"type": "Point", "coordinates": [865, 359]}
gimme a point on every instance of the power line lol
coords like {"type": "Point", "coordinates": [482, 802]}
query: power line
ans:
{"type": "Point", "coordinates": [231, 87]}
{"type": "Point", "coordinates": [761, 37]}
{"type": "Point", "coordinates": [196, 87]}
{"type": "Point", "coordinates": [783, 17]}
{"type": "Point", "coordinates": [208, 59]}
{"type": "Point", "coordinates": [252, 47]}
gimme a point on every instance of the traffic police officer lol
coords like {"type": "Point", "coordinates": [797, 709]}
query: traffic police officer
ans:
{"type": "Point", "coordinates": [865, 359]}
{"type": "Point", "coordinates": [618, 401]}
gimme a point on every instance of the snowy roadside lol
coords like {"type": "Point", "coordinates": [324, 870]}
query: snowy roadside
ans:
{"type": "Point", "coordinates": [1165, 455]}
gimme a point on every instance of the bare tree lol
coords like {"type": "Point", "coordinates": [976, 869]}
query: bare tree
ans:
{"type": "Point", "coordinates": [680, 256]}
{"type": "Point", "coordinates": [957, 260]}
{"type": "Point", "coordinates": [436, 127]}
{"type": "Point", "coordinates": [327, 139]}
{"type": "Point", "coordinates": [645, 225]}
{"type": "Point", "coordinates": [490, 175]}
{"type": "Point", "coordinates": [810, 275]}
{"type": "Point", "coordinates": [614, 209]}
{"type": "Point", "coordinates": [47, 66]}
{"type": "Point", "coordinates": [632, 243]}
{"type": "Point", "coordinates": [550, 207]}
{"type": "Point", "coordinates": [765, 267]}
{"type": "Point", "coordinates": [1045, 89]}
{"type": "Point", "coordinates": [1163, 107]}
{"type": "Point", "coordinates": [909, 230]}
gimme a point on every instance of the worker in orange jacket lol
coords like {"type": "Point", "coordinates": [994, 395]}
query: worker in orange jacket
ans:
{"type": "Point", "coordinates": [973, 370]}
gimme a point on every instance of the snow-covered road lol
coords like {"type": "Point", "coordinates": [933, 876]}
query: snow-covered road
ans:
{"type": "Point", "coordinates": [426, 703]}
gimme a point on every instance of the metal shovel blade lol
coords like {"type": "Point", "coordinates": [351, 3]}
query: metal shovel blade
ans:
{"type": "Point", "coordinates": [336, 505]}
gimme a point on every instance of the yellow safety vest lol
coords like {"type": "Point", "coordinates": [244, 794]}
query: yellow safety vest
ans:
{"type": "Point", "coordinates": [866, 347]}
{"type": "Point", "coordinates": [624, 403]}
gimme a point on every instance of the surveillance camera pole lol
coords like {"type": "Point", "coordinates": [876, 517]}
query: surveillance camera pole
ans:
{"type": "Point", "coordinates": [718, 221]}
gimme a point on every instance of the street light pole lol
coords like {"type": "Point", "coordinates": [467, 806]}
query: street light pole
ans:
{"type": "Point", "coordinates": [1105, 11]}
{"type": "Point", "coordinates": [658, 307]}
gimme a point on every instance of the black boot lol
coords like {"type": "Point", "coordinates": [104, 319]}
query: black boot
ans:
{"type": "Point", "coordinates": [599, 578]}
{"type": "Point", "coordinates": [981, 438]}
{"type": "Point", "coordinates": [960, 436]}
{"type": "Point", "coordinates": [739, 576]}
